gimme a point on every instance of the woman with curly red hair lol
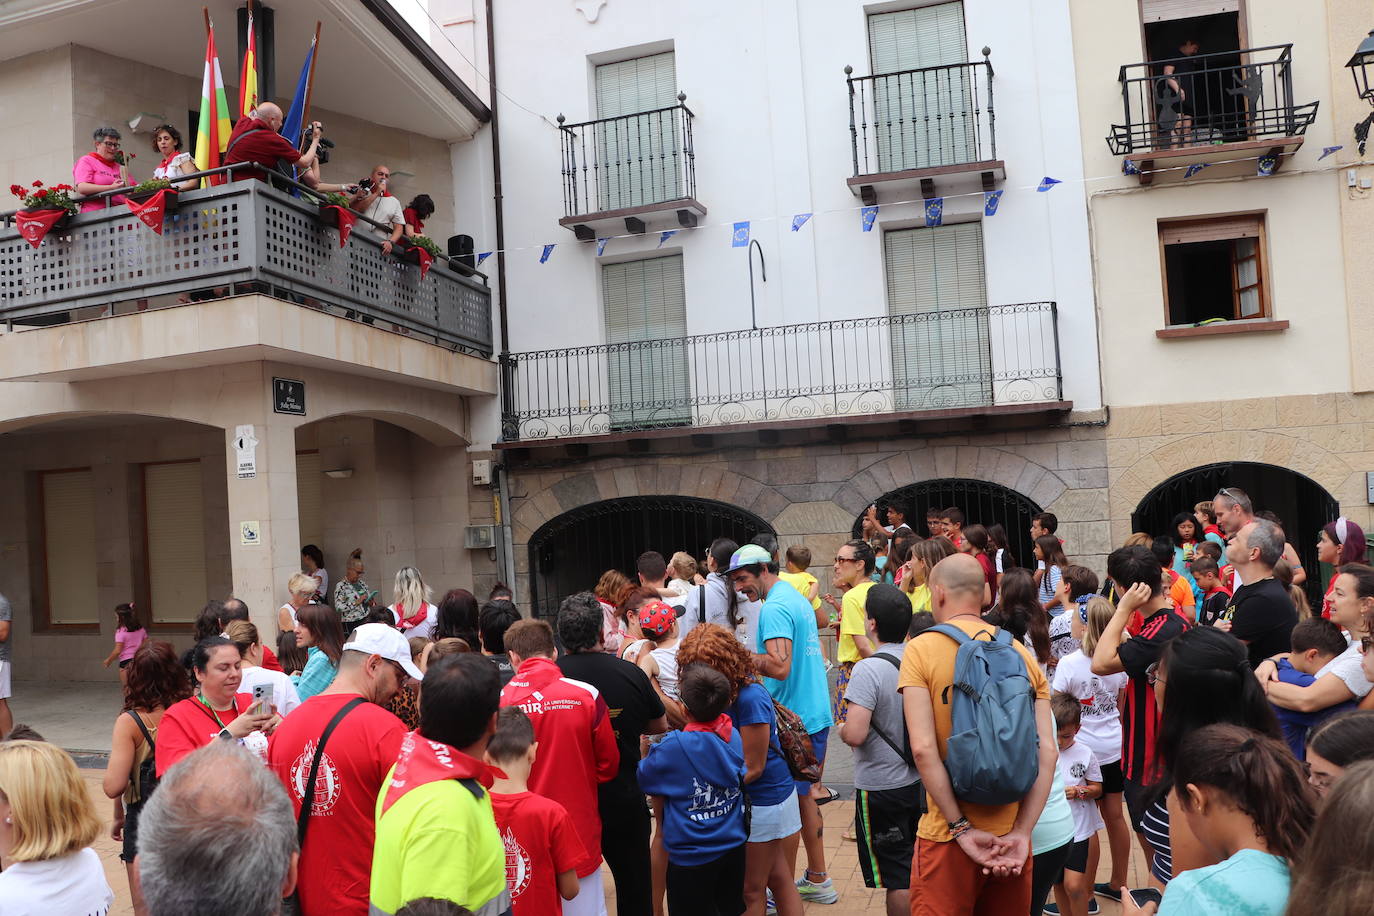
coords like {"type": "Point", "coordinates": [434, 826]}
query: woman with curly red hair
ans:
{"type": "Point", "coordinates": [155, 680]}
{"type": "Point", "coordinates": [611, 590]}
{"type": "Point", "coordinates": [767, 781]}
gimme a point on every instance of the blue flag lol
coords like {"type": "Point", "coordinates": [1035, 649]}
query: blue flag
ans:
{"type": "Point", "coordinates": [548, 250]}
{"type": "Point", "coordinates": [1266, 166]}
{"type": "Point", "coordinates": [1129, 168]}
{"type": "Point", "coordinates": [601, 246]}
{"type": "Point", "coordinates": [294, 123]}
{"type": "Point", "coordinates": [935, 212]}
{"type": "Point", "coordinates": [1194, 169]}
{"type": "Point", "coordinates": [800, 220]}
{"type": "Point", "coordinates": [740, 237]}
{"type": "Point", "coordinates": [1327, 151]}
{"type": "Point", "coordinates": [990, 201]}
{"type": "Point", "coordinates": [868, 214]}
{"type": "Point", "coordinates": [482, 257]}
{"type": "Point", "coordinates": [665, 235]}
{"type": "Point", "coordinates": [1046, 183]}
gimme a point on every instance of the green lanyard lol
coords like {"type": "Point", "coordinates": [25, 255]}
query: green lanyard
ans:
{"type": "Point", "coordinates": [211, 710]}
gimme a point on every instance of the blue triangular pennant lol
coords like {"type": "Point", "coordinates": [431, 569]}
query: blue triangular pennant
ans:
{"type": "Point", "coordinates": [1046, 183]}
{"type": "Point", "coordinates": [601, 246]}
{"type": "Point", "coordinates": [990, 201]}
{"type": "Point", "coordinates": [1327, 151]}
{"type": "Point", "coordinates": [1129, 168]}
{"type": "Point", "coordinates": [1266, 166]}
{"type": "Point", "coordinates": [665, 235]}
{"type": "Point", "coordinates": [935, 212]}
{"type": "Point", "coordinates": [1194, 169]}
{"type": "Point", "coordinates": [482, 257]}
{"type": "Point", "coordinates": [799, 220]}
{"type": "Point", "coordinates": [868, 214]}
{"type": "Point", "coordinates": [548, 250]}
{"type": "Point", "coordinates": [740, 237]}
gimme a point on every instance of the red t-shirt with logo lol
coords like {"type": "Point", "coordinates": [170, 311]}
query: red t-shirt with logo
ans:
{"type": "Point", "coordinates": [541, 843]}
{"type": "Point", "coordinates": [188, 725]}
{"type": "Point", "coordinates": [336, 863]}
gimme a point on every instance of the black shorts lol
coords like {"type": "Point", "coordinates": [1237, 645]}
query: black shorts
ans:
{"type": "Point", "coordinates": [1112, 779]}
{"type": "Point", "coordinates": [124, 662]}
{"type": "Point", "coordinates": [131, 813]}
{"type": "Point", "coordinates": [885, 826]}
{"type": "Point", "coordinates": [1137, 800]}
{"type": "Point", "coordinates": [1077, 860]}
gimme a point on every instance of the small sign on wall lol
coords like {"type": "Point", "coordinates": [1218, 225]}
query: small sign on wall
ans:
{"type": "Point", "coordinates": [247, 447]}
{"type": "Point", "coordinates": [250, 534]}
{"type": "Point", "coordinates": [288, 396]}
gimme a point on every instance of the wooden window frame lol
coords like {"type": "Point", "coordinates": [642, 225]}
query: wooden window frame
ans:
{"type": "Point", "coordinates": [146, 613]}
{"type": "Point", "coordinates": [1223, 230]}
{"type": "Point", "coordinates": [44, 621]}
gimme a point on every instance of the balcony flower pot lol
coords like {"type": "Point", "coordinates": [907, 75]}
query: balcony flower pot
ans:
{"type": "Point", "coordinates": [421, 250]}
{"type": "Point", "coordinates": [42, 209]}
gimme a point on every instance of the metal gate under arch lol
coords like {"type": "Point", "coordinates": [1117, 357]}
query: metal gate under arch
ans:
{"type": "Point", "coordinates": [982, 502]}
{"type": "Point", "coordinates": [570, 552]}
{"type": "Point", "coordinates": [1302, 504]}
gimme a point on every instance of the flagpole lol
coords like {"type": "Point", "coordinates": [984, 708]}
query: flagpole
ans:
{"type": "Point", "coordinates": [310, 80]}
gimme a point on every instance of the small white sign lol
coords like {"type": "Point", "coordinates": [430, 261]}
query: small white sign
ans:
{"type": "Point", "coordinates": [247, 447]}
{"type": "Point", "coordinates": [250, 534]}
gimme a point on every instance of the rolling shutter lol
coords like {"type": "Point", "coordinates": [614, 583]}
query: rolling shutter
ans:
{"type": "Point", "coordinates": [1211, 230]}
{"type": "Point", "coordinates": [1169, 10]}
{"type": "Point", "coordinates": [638, 152]}
{"type": "Point", "coordinates": [645, 303]}
{"type": "Point", "coordinates": [172, 496]}
{"type": "Point", "coordinates": [936, 295]}
{"type": "Point", "coordinates": [69, 527]}
{"type": "Point", "coordinates": [309, 478]}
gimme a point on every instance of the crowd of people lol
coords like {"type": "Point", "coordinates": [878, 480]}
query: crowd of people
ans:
{"type": "Point", "coordinates": [1010, 726]}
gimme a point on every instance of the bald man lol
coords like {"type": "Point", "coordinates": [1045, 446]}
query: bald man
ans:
{"type": "Point", "coordinates": [374, 202]}
{"type": "Point", "coordinates": [969, 858]}
{"type": "Point", "coordinates": [257, 139]}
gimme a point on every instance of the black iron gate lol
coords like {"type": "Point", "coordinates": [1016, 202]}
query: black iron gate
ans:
{"type": "Point", "coordinates": [569, 553]}
{"type": "Point", "coordinates": [982, 503]}
{"type": "Point", "coordinates": [1302, 504]}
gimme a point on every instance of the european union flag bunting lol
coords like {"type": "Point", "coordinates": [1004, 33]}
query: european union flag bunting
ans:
{"type": "Point", "coordinates": [1194, 169]}
{"type": "Point", "coordinates": [990, 201]}
{"type": "Point", "coordinates": [740, 237]}
{"type": "Point", "coordinates": [482, 257]}
{"type": "Point", "coordinates": [1046, 183]}
{"type": "Point", "coordinates": [935, 211]}
{"type": "Point", "coordinates": [1129, 168]}
{"type": "Point", "coordinates": [1266, 166]}
{"type": "Point", "coordinates": [800, 220]}
{"type": "Point", "coordinates": [548, 250]}
{"type": "Point", "coordinates": [1327, 151]}
{"type": "Point", "coordinates": [601, 246]}
{"type": "Point", "coordinates": [869, 214]}
{"type": "Point", "coordinates": [665, 235]}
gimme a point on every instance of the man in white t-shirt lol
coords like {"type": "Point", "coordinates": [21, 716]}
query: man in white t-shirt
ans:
{"type": "Point", "coordinates": [374, 201]}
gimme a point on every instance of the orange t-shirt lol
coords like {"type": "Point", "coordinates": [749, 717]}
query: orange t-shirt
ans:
{"type": "Point", "coordinates": [1181, 594]}
{"type": "Point", "coordinates": [929, 662]}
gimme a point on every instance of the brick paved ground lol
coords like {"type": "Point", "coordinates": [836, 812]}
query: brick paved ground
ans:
{"type": "Point", "coordinates": [842, 856]}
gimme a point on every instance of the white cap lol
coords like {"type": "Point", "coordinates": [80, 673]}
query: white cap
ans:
{"type": "Point", "coordinates": [380, 639]}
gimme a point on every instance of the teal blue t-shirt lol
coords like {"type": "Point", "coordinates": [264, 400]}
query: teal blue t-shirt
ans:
{"type": "Point", "coordinates": [787, 614]}
{"type": "Point", "coordinates": [1250, 883]}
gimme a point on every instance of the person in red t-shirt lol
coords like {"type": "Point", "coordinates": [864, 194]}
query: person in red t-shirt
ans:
{"type": "Point", "coordinates": [573, 726]}
{"type": "Point", "coordinates": [416, 212]}
{"type": "Point", "coordinates": [542, 848]}
{"type": "Point", "coordinates": [216, 711]}
{"type": "Point", "coordinates": [257, 139]}
{"type": "Point", "coordinates": [336, 858]}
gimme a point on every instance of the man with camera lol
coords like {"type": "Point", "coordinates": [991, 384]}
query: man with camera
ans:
{"type": "Point", "coordinates": [256, 139]}
{"type": "Point", "coordinates": [374, 201]}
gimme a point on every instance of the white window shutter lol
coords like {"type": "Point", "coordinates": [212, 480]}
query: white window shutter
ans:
{"type": "Point", "coordinates": [649, 381]}
{"type": "Point", "coordinates": [69, 527]}
{"type": "Point", "coordinates": [173, 502]}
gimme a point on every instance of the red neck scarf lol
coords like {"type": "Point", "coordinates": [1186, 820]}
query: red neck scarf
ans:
{"type": "Point", "coordinates": [168, 161]}
{"type": "Point", "coordinates": [721, 726]}
{"type": "Point", "coordinates": [421, 762]}
{"type": "Point", "coordinates": [413, 621]}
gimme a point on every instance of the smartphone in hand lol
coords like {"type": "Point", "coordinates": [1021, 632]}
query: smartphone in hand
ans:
{"type": "Point", "coordinates": [262, 700]}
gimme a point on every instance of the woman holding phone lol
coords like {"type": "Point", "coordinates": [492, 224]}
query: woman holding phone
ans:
{"type": "Point", "coordinates": [274, 686]}
{"type": "Point", "coordinates": [216, 710]}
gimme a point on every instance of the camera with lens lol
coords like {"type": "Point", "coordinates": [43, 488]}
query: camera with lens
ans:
{"type": "Point", "coordinates": [326, 144]}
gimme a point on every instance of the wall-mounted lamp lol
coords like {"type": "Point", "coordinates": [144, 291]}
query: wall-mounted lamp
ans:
{"type": "Point", "coordinates": [339, 473]}
{"type": "Point", "coordinates": [144, 123]}
{"type": "Point", "coordinates": [1361, 66]}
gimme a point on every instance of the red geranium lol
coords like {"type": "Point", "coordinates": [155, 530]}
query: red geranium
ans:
{"type": "Point", "coordinates": [37, 197]}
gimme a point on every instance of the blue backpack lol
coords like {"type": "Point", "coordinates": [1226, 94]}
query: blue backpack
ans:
{"type": "Point", "coordinates": [993, 750]}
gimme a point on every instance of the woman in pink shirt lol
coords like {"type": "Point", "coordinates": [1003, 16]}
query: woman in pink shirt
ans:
{"type": "Point", "coordinates": [101, 169]}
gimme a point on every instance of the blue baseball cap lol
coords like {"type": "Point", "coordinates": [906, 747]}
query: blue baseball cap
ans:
{"type": "Point", "coordinates": [749, 555]}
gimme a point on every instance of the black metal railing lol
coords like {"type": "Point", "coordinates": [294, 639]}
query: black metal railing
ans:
{"type": "Point", "coordinates": [235, 238]}
{"type": "Point", "coordinates": [1206, 99]}
{"type": "Point", "coordinates": [957, 359]}
{"type": "Point", "coordinates": [921, 119]}
{"type": "Point", "coordinates": [633, 160]}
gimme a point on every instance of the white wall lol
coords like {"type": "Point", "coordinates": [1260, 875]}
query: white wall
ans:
{"type": "Point", "coordinates": [765, 81]}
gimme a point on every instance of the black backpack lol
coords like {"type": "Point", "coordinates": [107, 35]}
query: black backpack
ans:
{"type": "Point", "coordinates": [147, 770]}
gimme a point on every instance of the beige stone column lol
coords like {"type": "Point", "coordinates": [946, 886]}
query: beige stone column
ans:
{"type": "Point", "coordinates": [267, 503]}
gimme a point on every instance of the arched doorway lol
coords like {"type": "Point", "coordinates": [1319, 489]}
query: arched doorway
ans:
{"type": "Point", "coordinates": [982, 502]}
{"type": "Point", "coordinates": [1302, 503]}
{"type": "Point", "coordinates": [570, 552]}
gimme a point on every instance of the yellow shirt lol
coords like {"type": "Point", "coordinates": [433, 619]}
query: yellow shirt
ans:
{"type": "Point", "coordinates": [920, 599]}
{"type": "Point", "coordinates": [929, 662]}
{"type": "Point", "coordinates": [852, 621]}
{"type": "Point", "coordinates": [802, 582]}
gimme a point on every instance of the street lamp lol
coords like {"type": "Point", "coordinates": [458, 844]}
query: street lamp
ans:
{"type": "Point", "coordinates": [1360, 66]}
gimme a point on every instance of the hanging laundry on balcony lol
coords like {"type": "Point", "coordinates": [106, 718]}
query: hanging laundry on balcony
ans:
{"type": "Point", "coordinates": [665, 235]}
{"type": "Point", "coordinates": [869, 214]}
{"type": "Point", "coordinates": [151, 211]}
{"type": "Point", "coordinates": [935, 212]}
{"type": "Point", "coordinates": [1193, 170]}
{"type": "Point", "coordinates": [740, 237]}
{"type": "Point", "coordinates": [1047, 183]}
{"type": "Point", "coordinates": [548, 250]}
{"type": "Point", "coordinates": [799, 220]}
{"type": "Point", "coordinates": [990, 201]}
{"type": "Point", "coordinates": [1327, 151]}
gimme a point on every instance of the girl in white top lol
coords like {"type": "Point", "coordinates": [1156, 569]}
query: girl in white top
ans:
{"type": "Point", "coordinates": [411, 607]}
{"type": "Point", "coordinates": [301, 587]}
{"type": "Point", "coordinates": [47, 826]}
{"type": "Point", "coordinates": [175, 161]}
{"type": "Point", "coordinates": [1100, 723]}
{"type": "Point", "coordinates": [312, 564]}
{"type": "Point", "coordinates": [659, 623]}
{"type": "Point", "coordinates": [284, 695]}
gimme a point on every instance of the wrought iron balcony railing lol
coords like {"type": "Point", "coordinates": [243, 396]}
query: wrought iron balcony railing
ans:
{"type": "Point", "coordinates": [921, 119]}
{"type": "Point", "coordinates": [962, 359]}
{"type": "Point", "coordinates": [234, 238]}
{"type": "Point", "coordinates": [1207, 99]}
{"type": "Point", "coordinates": [630, 161]}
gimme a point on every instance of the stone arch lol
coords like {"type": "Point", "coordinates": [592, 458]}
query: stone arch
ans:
{"type": "Point", "coordinates": [430, 429]}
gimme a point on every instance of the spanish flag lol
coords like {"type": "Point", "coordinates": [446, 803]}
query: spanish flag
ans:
{"type": "Point", "coordinates": [212, 133]}
{"type": "Point", "coordinates": [248, 76]}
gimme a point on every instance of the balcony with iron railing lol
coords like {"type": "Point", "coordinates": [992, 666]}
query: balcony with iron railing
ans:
{"type": "Point", "coordinates": [1227, 107]}
{"type": "Point", "coordinates": [238, 238]}
{"type": "Point", "coordinates": [630, 173]}
{"type": "Point", "coordinates": [962, 362]}
{"type": "Point", "coordinates": [918, 130]}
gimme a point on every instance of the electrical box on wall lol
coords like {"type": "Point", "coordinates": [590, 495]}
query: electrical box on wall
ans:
{"type": "Point", "coordinates": [479, 537]}
{"type": "Point", "coordinates": [1369, 486]}
{"type": "Point", "coordinates": [481, 473]}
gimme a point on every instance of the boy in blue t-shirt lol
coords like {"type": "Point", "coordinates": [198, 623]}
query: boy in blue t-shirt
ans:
{"type": "Point", "coordinates": [696, 777]}
{"type": "Point", "coordinates": [1315, 641]}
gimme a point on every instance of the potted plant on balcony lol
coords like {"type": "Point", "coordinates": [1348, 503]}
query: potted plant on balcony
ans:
{"type": "Point", "coordinates": [150, 201]}
{"type": "Point", "coordinates": [422, 250]}
{"type": "Point", "coordinates": [42, 209]}
{"type": "Point", "coordinates": [335, 213]}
